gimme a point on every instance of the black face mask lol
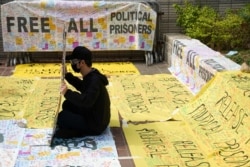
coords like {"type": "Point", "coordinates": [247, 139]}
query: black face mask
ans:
{"type": "Point", "coordinates": [74, 67]}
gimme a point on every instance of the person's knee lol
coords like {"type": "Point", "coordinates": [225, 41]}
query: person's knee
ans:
{"type": "Point", "coordinates": [67, 105]}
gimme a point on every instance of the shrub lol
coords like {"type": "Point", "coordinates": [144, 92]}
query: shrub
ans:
{"type": "Point", "coordinates": [245, 27]}
{"type": "Point", "coordinates": [186, 15]}
{"type": "Point", "coordinates": [220, 32]}
{"type": "Point", "coordinates": [227, 33]}
{"type": "Point", "coordinates": [203, 26]}
{"type": "Point", "coordinates": [245, 13]}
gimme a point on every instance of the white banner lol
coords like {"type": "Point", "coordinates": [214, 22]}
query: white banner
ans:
{"type": "Point", "coordinates": [98, 25]}
{"type": "Point", "coordinates": [194, 63]}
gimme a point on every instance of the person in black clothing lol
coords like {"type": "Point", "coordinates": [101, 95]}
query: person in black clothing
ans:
{"type": "Point", "coordinates": [87, 110]}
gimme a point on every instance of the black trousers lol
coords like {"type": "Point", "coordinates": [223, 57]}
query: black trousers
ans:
{"type": "Point", "coordinates": [70, 118]}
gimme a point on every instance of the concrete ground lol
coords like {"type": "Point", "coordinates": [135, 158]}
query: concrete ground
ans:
{"type": "Point", "coordinates": [121, 144]}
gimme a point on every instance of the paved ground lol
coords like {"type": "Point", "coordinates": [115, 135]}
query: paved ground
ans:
{"type": "Point", "coordinates": [121, 144]}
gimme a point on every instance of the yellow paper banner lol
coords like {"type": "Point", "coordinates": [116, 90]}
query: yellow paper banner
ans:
{"type": "Point", "coordinates": [147, 97]}
{"type": "Point", "coordinates": [165, 144]}
{"type": "Point", "coordinates": [219, 117]}
{"type": "Point", "coordinates": [35, 100]}
{"type": "Point", "coordinates": [43, 104]}
{"type": "Point", "coordinates": [54, 69]}
{"type": "Point", "coordinates": [14, 95]}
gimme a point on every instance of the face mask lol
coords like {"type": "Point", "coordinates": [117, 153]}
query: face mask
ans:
{"type": "Point", "coordinates": [74, 67]}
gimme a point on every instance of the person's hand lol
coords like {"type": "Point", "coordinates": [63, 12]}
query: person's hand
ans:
{"type": "Point", "coordinates": [63, 88]}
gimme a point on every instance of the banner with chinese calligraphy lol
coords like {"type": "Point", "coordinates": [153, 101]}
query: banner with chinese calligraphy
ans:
{"type": "Point", "coordinates": [99, 25]}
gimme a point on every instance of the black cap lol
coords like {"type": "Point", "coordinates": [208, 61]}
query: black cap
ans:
{"type": "Point", "coordinates": [81, 53]}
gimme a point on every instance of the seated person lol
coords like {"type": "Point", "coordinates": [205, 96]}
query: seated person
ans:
{"type": "Point", "coordinates": [86, 111]}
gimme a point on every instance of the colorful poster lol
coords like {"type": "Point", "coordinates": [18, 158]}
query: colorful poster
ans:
{"type": "Point", "coordinates": [99, 25]}
{"type": "Point", "coordinates": [92, 150]}
{"type": "Point", "coordinates": [21, 147]}
{"type": "Point", "coordinates": [194, 63]}
{"type": "Point", "coordinates": [10, 140]}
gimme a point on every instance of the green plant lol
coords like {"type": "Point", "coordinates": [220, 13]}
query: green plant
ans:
{"type": "Point", "coordinates": [220, 32]}
{"type": "Point", "coordinates": [245, 13]}
{"type": "Point", "coordinates": [245, 27]}
{"type": "Point", "coordinates": [197, 22]}
{"type": "Point", "coordinates": [203, 26]}
{"type": "Point", "coordinates": [187, 14]}
{"type": "Point", "coordinates": [227, 32]}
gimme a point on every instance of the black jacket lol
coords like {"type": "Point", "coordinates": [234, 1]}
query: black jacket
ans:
{"type": "Point", "coordinates": [93, 102]}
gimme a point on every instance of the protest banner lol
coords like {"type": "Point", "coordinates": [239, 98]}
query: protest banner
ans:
{"type": "Point", "coordinates": [213, 129]}
{"type": "Point", "coordinates": [194, 63]}
{"type": "Point", "coordinates": [165, 144]}
{"type": "Point", "coordinates": [14, 95]}
{"type": "Point", "coordinates": [22, 147]}
{"type": "Point", "coordinates": [99, 25]}
{"type": "Point", "coordinates": [11, 136]}
{"type": "Point", "coordinates": [219, 117]}
{"type": "Point", "coordinates": [42, 107]}
{"type": "Point", "coordinates": [147, 97]}
{"type": "Point", "coordinates": [53, 69]}
{"type": "Point", "coordinates": [35, 100]}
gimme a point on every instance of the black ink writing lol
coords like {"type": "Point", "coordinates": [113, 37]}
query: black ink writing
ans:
{"type": "Point", "coordinates": [215, 65]}
{"type": "Point", "coordinates": [30, 24]}
{"type": "Point", "coordinates": [233, 153]}
{"type": "Point", "coordinates": [131, 16]}
{"type": "Point", "coordinates": [130, 28]}
{"type": "Point", "coordinates": [149, 87]}
{"type": "Point", "coordinates": [189, 152]}
{"type": "Point", "coordinates": [180, 97]}
{"type": "Point", "coordinates": [231, 110]}
{"type": "Point", "coordinates": [73, 26]}
{"type": "Point", "coordinates": [205, 74]}
{"type": "Point", "coordinates": [127, 85]}
{"type": "Point", "coordinates": [136, 103]}
{"type": "Point", "coordinates": [154, 142]}
{"type": "Point", "coordinates": [190, 61]}
{"type": "Point", "coordinates": [177, 48]}
{"type": "Point", "coordinates": [206, 120]}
